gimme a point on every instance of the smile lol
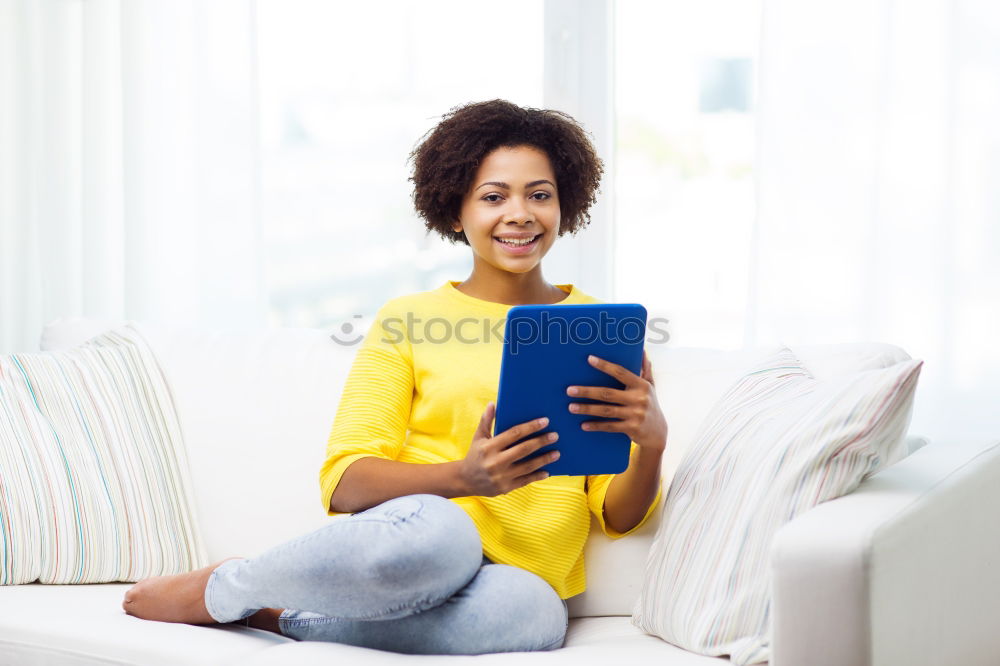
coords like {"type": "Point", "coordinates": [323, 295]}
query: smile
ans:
{"type": "Point", "coordinates": [522, 246]}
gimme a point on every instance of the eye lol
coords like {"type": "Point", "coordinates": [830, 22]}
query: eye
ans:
{"type": "Point", "coordinates": [543, 197]}
{"type": "Point", "coordinates": [494, 194]}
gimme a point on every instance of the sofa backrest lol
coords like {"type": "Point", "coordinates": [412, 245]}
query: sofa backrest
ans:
{"type": "Point", "coordinates": [256, 409]}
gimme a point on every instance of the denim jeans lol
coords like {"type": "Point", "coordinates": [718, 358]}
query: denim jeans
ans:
{"type": "Point", "coordinates": [407, 576]}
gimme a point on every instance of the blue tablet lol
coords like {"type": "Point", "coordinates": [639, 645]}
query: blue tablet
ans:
{"type": "Point", "coordinates": [545, 351]}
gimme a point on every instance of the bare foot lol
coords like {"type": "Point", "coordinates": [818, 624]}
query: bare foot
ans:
{"type": "Point", "coordinates": [178, 598]}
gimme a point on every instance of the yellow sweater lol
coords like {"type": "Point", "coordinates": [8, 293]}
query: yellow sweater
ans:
{"type": "Point", "coordinates": [415, 393]}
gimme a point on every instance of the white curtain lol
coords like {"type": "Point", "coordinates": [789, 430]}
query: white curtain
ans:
{"type": "Point", "coordinates": [128, 168]}
{"type": "Point", "coordinates": [879, 191]}
{"type": "Point", "coordinates": [129, 174]}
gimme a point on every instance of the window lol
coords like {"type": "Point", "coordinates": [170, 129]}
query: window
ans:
{"type": "Point", "coordinates": [685, 152]}
{"type": "Point", "coordinates": [346, 91]}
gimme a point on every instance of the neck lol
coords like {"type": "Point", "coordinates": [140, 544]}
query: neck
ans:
{"type": "Point", "coordinates": [496, 286]}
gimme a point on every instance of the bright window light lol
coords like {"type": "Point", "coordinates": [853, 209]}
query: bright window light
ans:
{"type": "Point", "coordinates": [346, 91]}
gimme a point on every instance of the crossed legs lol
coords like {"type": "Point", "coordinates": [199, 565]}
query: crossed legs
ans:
{"type": "Point", "coordinates": [406, 576]}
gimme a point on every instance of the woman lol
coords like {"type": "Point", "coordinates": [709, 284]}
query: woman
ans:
{"type": "Point", "coordinates": [456, 545]}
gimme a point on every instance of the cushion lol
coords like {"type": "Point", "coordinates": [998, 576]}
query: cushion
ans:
{"type": "Point", "coordinates": [589, 642]}
{"type": "Point", "coordinates": [255, 407]}
{"type": "Point", "coordinates": [93, 473]}
{"type": "Point", "coordinates": [84, 625]}
{"type": "Point", "coordinates": [777, 443]}
{"type": "Point", "coordinates": [689, 381]}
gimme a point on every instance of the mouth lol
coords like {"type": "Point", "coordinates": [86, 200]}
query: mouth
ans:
{"type": "Point", "coordinates": [522, 245]}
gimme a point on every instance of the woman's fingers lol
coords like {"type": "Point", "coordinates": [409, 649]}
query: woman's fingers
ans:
{"type": "Point", "coordinates": [489, 466]}
{"type": "Point", "coordinates": [526, 448]}
{"type": "Point", "coordinates": [621, 373]}
{"type": "Point", "coordinates": [528, 466]}
{"type": "Point", "coordinates": [522, 481]}
{"type": "Point", "coordinates": [604, 393]}
{"type": "Point", "coordinates": [610, 411]}
{"type": "Point", "coordinates": [647, 368]}
{"type": "Point", "coordinates": [485, 427]}
{"type": "Point", "coordinates": [519, 431]}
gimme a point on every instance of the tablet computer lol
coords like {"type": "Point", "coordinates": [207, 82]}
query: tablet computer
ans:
{"type": "Point", "coordinates": [545, 351]}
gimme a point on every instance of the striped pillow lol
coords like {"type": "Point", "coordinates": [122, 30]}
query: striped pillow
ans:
{"type": "Point", "coordinates": [777, 443]}
{"type": "Point", "coordinates": [93, 477]}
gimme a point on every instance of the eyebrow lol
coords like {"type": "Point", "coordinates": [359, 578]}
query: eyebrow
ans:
{"type": "Point", "coordinates": [505, 186]}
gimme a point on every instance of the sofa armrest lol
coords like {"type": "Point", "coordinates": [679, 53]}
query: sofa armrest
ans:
{"type": "Point", "coordinates": [904, 570]}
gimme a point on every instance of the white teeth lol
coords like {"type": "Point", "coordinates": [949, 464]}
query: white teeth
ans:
{"type": "Point", "coordinates": [525, 241]}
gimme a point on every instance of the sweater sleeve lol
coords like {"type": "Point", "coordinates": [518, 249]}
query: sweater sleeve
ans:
{"type": "Point", "coordinates": [597, 490]}
{"type": "Point", "coordinates": [374, 409]}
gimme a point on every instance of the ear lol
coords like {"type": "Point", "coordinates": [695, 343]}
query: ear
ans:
{"type": "Point", "coordinates": [456, 227]}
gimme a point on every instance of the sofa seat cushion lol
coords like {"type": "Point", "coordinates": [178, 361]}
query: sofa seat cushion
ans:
{"type": "Point", "coordinates": [73, 625]}
{"type": "Point", "coordinates": [590, 641]}
{"type": "Point", "coordinates": [84, 624]}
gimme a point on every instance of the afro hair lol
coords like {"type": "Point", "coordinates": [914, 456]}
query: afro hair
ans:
{"type": "Point", "coordinates": [447, 157]}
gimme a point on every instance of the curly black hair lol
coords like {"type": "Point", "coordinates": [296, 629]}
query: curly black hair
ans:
{"type": "Point", "coordinates": [447, 157]}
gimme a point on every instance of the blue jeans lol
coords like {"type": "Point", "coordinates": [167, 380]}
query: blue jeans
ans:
{"type": "Point", "coordinates": [407, 576]}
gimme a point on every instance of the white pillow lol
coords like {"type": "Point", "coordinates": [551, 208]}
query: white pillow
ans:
{"type": "Point", "coordinates": [255, 407]}
{"type": "Point", "coordinates": [689, 381]}
{"type": "Point", "coordinates": [777, 443]}
{"type": "Point", "coordinates": [93, 475]}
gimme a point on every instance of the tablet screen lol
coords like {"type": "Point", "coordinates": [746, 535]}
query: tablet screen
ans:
{"type": "Point", "coordinates": [545, 351]}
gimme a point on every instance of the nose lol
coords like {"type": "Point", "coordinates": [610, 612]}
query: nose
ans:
{"type": "Point", "coordinates": [518, 212]}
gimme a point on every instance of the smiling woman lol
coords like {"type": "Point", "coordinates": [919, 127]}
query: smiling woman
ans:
{"type": "Point", "coordinates": [446, 163]}
{"type": "Point", "coordinates": [510, 227]}
{"type": "Point", "coordinates": [461, 544]}
{"type": "Point", "coordinates": [493, 175]}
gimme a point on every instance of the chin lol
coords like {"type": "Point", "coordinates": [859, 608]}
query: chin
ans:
{"type": "Point", "coordinates": [517, 268]}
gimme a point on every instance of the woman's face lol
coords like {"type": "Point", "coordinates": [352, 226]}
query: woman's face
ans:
{"type": "Point", "coordinates": [513, 196]}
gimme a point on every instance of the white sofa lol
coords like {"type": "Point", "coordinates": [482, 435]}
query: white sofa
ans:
{"type": "Point", "coordinates": [904, 571]}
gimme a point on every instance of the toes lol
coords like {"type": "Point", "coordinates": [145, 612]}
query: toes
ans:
{"type": "Point", "coordinates": [129, 598]}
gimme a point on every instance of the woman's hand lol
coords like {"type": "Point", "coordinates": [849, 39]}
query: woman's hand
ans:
{"type": "Point", "coordinates": [636, 405]}
{"type": "Point", "coordinates": [490, 468]}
